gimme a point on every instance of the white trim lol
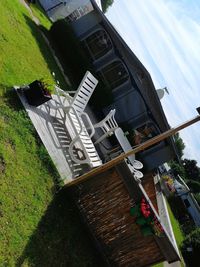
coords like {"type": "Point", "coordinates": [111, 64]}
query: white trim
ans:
{"type": "Point", "coordinates": [164, 214]}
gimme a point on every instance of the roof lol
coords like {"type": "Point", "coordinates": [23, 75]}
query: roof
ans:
{"type": "Point", "coordinates": [146, 88]}
{"type": "Point", "coordinates": [57, 9]}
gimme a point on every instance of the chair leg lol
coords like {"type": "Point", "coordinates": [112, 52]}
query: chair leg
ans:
{"type": "Point", "coordinates": [137, 164]}
{"type": "Point", "coordinates": [137, 174]}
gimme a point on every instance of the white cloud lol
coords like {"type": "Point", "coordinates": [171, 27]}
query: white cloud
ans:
{"type": "Point", "coordinates": [165, 35]}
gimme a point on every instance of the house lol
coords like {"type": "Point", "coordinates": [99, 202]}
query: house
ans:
{"type": "Point", "coordinates": [164, 168]}
{"type": "Point", "coordinates": [57, 9]}
{"type": "Point", "coordinates": [128, 82]}
{"type": "Point", "coordinates": [188, 200]}
{"type": "Point", "coordinates": [106, 199]}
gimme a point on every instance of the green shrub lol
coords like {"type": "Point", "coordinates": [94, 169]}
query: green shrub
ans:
{"type": "Point", "coordinates": [76, 62]}
{"type": "Point", "coordinates": [191, 248]}
{"type": "Point", "coordinates": [197, 197]}
{"type": "Point", "coordinates": [194, 186]}
{"type": "Point", "coordinates": [188, 226]}
{"type": "Point", "coordinates": [178, 208]}
{"type": "Point", "coordinates": [69, 51]}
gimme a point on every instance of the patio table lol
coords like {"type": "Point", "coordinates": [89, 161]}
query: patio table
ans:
{"type": "Point", "coordinates": [126, 146]}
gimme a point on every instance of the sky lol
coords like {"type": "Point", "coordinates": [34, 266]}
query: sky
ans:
{"type": "Point", "coordinates": [165, 36]}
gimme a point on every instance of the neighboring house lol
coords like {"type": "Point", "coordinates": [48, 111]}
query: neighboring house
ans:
{"type": "Point", "coordinates": [134, 96]}
{"type": "Point", "coordinates": [164, 168]}
{"type": "Point", "coordinates": [57, 9]}
{"type": "Point", "coordinates": [188, 199]}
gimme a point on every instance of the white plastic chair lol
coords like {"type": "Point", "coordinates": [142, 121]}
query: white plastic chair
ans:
{"type": "Point", "coordinates": [137, 174]}
{"type": "Point", "coordinates": [80, 99]}
{"type": "Point", "coordinates": [126, 146]}
{"type": "Point", "coordinates": [136, 164]}
{"type": "Point", "coordinates": [82, 141]}
{"type": "Point", "coordinates": [107, 125]}
{"type": "Point", "coordinates": [74, 107]}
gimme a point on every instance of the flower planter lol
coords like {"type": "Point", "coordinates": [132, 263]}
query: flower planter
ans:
{"type": "Point", "coordinates": [36, 94]}
{"type": "Point", "coordinates": [146, 219]}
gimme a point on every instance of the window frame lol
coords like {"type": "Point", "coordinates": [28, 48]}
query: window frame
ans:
{"type": "Point", "coordinates": [103, 77]}
{"type": "Point", "coordinates": [186, 203]}
{"type": "Point", "coordinates": [85, 44]}
{"type": "Point", "coordinates": [157, 131]}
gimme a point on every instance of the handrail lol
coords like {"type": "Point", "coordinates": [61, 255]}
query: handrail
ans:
{"type": "Point", "coordinates": [141, 147]}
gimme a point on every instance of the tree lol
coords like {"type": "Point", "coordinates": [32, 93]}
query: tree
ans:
{"type": "Point", "coordinates": [177, 168]}
{"type": "Point", "coordinates": [106, 4]}
{"type": "Point", "coordinates": [194, 186]}
{"type": "Point", "coordinates": [197, 197]}
{"type": "Point", "coordinates": [190, 248]}
{"type": "Point", "coordinates": [179, 144]}
{"type": "Point", "coordinates": [192, 171]}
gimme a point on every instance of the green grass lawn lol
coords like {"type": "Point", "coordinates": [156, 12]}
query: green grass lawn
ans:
{"type": "Point", "coordinates": [39, 13]}
{"type": "Point", "coordinates": [177, 232]}
{"type": "Point", "coordinates": [176, 229]}
{"type": "Point", "coordinates": [158, 265]}
{"type": "Point", "coordinates": [37, 228]}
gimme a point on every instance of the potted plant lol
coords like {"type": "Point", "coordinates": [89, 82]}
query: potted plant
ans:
{"type": "Point", "coordinates": [47, 86]}
{"type": "Point", "coordinates": [38, 92]}
{"type": "Point", "coordinates": [146, 219]}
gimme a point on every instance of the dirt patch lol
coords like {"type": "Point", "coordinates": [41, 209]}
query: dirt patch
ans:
{"type": "Point", "coordinates": [2, 165]}
{"type": "Point", "coordinates": [1, 212]}
{"type": "Point", "coordinates": [10, 144]}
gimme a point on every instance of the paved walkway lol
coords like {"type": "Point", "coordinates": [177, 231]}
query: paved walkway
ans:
{"type": "Point", "coordinates": [37, 22]}
{"type": "Point", "coordinates": [164, 216]}
{"type": "Point", "coordinates": [174, 264]}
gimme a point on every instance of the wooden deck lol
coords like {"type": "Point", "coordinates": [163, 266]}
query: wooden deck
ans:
{"type": "Point", "coordinates": [104, 202]}
{"type": "Point", "coordinates": [54, 130]}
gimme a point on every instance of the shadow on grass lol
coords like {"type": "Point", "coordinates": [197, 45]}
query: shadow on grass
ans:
{"type": "Point", "coordinates": [60, 238]}
{"type": "Point", "coordinates": [44, 49]}
{"type": "Point", "coordinates": [15, 106]}
{"type": "Point", "coordinates": [11, 98]}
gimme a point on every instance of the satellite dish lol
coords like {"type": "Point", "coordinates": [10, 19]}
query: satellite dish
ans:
{"type": "Point", "coordinates": [161, 92]}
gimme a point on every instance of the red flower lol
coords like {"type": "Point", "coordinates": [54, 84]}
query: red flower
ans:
{"type": "Point", "coordinates": [145, 208]}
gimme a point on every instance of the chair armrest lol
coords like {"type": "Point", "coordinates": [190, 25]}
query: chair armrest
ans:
{"type": "Point", "coordinates": [71, 92]}
{"type": "Point", "coordinates": [91, 127]}
{"type": "Point", "coordinates": [65, 94]}
{"type": "Point", "coordinates": [59, 90]}
{"type": "Point", "coordinates": [78, 119]}
{"type": "Point", "coordinates": [100, 139]}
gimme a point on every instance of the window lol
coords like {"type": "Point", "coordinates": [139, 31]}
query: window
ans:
{"type": "Point", "coordinates": [114, 74]}
{"type": "Point", "coordinates": [98, 44]}
{"type": "Point", "coordinates": [144, 133]}
{"type": "Point", "coordinates": [187, 203]}
{"type": "Point", "coordinates": [79, 12]}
